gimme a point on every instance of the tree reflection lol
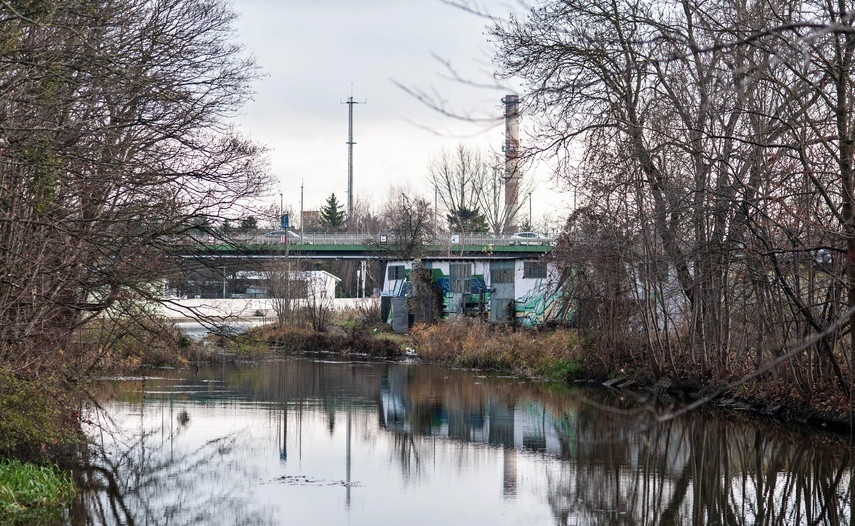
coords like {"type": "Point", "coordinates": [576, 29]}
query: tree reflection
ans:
{"type": "Point", "coordinates": [585, 456]}
{"type": "Point", "coordinates": [615, 466]}
{"type": "Point", "coordinates": [406, 453]}
{"type": "Point", "coordinates": [144, 476]}
{"type": "Point", "coordinates": [702, 469]}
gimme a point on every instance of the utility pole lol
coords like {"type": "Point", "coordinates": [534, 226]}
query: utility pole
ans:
{"type": "Point", "coordinates": [301, 212]}
{"type": "Point", "coordinates": [350, 102]}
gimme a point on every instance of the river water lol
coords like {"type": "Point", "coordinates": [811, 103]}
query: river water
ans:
{"type": "Point", "coordinates": [318, 440]}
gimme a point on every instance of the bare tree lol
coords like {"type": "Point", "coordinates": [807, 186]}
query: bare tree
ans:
{"type": "Point", "coordinates": [501, 216]}
{"type": "Point", "coordinates": [278, 279]}
{"type": "Point", "coordinates": [720, 140]}
{"type": "Point", "coordinates": [459, 178]}
{"type": "Point", "coordinates": [114, 149]}
{"type": "Point", "coordinates": [365, 218]}
{"type": "Point", "coordinates": [314, 301]}
{"type": "Point", "coordinates": [409, 222]}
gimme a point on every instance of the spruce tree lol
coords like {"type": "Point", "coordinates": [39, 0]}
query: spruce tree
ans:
{"type": "Point", "coordinates": [332, 214]}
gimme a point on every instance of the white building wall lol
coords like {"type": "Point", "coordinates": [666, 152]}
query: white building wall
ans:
{"type": "Point", "coordinates": [536, 297]}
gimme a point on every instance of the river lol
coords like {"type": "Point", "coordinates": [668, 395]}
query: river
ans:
{"type": "Point", "coordinates": [319, 440]}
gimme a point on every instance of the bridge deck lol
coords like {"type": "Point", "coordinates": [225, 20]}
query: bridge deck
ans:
{"type": "Point", "coordinates": [371, 246]}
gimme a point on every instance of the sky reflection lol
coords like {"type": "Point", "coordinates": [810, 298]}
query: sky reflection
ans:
{"type": "Point", "coordinates": [301, 441]}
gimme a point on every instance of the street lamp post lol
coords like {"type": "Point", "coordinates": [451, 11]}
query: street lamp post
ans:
{"type": "Point", "coordinates": [435, 192]}
{"type": "Point", "coordinates": [529, 212]}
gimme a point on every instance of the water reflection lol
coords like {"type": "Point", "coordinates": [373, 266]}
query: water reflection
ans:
{"type": "Point", "coordinates": [149, 472]}
{"type": "Point", "coordinates": [322, 441]}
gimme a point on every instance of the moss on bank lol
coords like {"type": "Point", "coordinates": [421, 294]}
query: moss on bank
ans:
{"type": "Point", "coordinates": [32, 494]}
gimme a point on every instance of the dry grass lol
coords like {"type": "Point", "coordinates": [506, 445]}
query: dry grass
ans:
{"type": "Point", "coordinates": [291, 339]}
{"type": "Point", "coordinates": [364, 314]}
{"type": "Point", "coordinates": [471, 343]}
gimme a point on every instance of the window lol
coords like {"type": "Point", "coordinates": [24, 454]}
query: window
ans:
{"type": "Point", "coordinates": [534, 269]}
{"type": "Point", "coordinates": [397, 272]}
{"type": "Point", "coordinates": [501, 275]}
{"type": "Point", "coordinates": [460, 276]}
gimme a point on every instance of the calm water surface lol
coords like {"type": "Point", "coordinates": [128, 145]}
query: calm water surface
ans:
{"type": "Point", "coordinates": [319, 440]}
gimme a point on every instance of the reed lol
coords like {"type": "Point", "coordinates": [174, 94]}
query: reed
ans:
{"type": "Point", "coordinates": [27, 491]}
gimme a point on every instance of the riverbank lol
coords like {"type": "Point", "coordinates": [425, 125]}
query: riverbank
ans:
{"type": "Point", "coordinates": [559, 355]}
{"type": "Point", "coordinates": [362, 341]}
{"type": "Point", "coordinates": [566, 356]}
{"type": "Point", "coordinates": [569, 355]}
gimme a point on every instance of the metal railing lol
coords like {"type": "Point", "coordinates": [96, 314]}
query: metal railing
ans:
{"type": "Point", "coordinates": [371, 239]}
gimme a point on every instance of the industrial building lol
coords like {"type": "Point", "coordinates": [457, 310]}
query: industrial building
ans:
{"type": "Point", "coordinates": [525, 291]}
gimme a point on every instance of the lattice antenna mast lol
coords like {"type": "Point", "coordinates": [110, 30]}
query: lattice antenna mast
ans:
{"type": "Point", "coordinates": [350, 102]}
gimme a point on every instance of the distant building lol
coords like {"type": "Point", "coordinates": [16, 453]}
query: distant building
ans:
{"type": "Point", "coordinates": [525, 290]}
{"type": "Point", "coordinates": [318, 284]}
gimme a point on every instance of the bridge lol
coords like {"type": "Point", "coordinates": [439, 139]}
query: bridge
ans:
{"type": "Point", "coordinates": [209, 261]}
{"type": "Point", "coordinates": [364, 245]}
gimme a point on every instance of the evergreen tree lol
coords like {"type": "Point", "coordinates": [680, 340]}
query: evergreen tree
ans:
{"type": "Point", "coordinates": [248, 223]}
{"type": "Point", "coordinates": [468, 220]}
{"type": "Point", "coordinates": [332, 214]}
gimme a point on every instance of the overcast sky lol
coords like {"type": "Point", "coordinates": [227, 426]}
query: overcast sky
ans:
{"type": "Point", "coordinates": [313, 53]}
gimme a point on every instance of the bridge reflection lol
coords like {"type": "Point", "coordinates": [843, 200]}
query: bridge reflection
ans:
{"type": "Point", "coordinates": [421, 405]}
{"type": "Point", "coordinates": [616, 466]}
{"type": "Point", "coordinates": [590, 456]}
